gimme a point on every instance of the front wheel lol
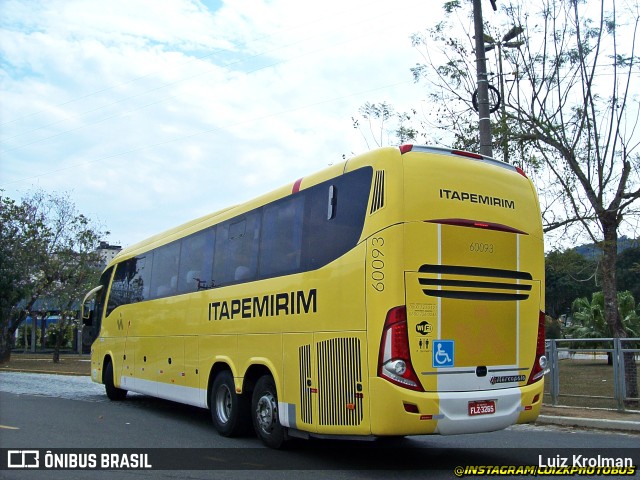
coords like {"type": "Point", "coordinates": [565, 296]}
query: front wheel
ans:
{"type": "Point", "coordinates": [264, 410]}
{"type": "Point", "coordinates": [113, 392]}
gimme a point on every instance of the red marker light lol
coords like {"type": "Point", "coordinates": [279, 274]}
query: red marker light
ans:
{"type": "Point", "coordinates": [467, 154]}
{"type": "Point", "coordinates": [405, 148]}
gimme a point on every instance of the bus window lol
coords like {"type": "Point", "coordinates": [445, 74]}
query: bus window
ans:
{"type": "Point", "coordinates": [334, 216]}
{"type": "Point", "coordinates": [92, 308]}
{"type": "Point", "coordinates": [164, 280]}
{"type": "Point", "coordinates": [236, 252]}
{"type": "Point", "coordinates": [140, 277]}
{"type": "Point", "coordinates": [119, 294]}
{"type": "Point", "coordinates": [130, 282]}
{"type": "Point", "coordinates": [281, 237]}
{"type": "Point", "coordinates": [196, 262]}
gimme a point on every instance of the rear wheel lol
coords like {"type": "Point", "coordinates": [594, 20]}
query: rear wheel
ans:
{"type": "Point", "coordinates": [264, 411]}
{"type": "Point", "coordinates": [229, 411]}
{"type": "Point", "coordinates": [113, 392]}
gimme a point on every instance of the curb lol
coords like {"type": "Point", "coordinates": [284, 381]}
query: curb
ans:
{"type": "Point", "coordinates": [623, 425]}
{"type": "Point", "coordinates": [49, 372]}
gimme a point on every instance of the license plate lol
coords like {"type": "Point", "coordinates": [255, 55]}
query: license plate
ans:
{"type": "Point", "coordinates": [482, 407]}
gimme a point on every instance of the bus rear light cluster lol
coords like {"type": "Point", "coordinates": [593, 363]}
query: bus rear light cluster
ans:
{"type": "Point", "coordinates": [394, 360]}
{"type": "Point", "coordinates": [540, 363]}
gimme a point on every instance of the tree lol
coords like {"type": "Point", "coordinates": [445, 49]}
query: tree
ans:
{"type": "Point", "coordinates": [568, 275]}
{"type": "Point", "coordinates": [48, 250]}
{"type": "Point", "coordinates": [581, 124]}
{"type": "Point", "coordinates": [629, 271]}
{"type": "Point", "coordinates": [571, 114]}
{"type": "Point", "coordinates": [590, 321]}
{"type": "Point", "coordinates": [589, 318]}
{"type": "Point", "coordinates": [378, 123]}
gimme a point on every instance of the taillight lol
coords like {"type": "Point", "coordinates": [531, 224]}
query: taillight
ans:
{"type": "Point", "coordinates": [394, 360]}
{"type": "Point", "coordinates": [540, 363]}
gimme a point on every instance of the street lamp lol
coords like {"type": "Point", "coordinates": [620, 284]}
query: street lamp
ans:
{"type": "Point", "coordinates": [505, 42]}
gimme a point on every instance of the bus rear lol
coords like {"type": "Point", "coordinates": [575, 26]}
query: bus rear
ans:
{"type": "Point", "coordinates": [462, 343]}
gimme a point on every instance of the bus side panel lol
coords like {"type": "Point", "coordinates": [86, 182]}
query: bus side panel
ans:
{"type": "Point", "coordinates": [342, 380]}
{"type": "Point", "coordinates": [326, 383]}
{"type": "Point", "coordinates": [260, 349]}
{"type": "Point", "coordinates": [112, 342]}
{"type": "Point", "coordinates": [214, 349]}
{"type": "Point", "coordinates": [97, 356]}
{"type": "Point", "coordinates": [298, 404]}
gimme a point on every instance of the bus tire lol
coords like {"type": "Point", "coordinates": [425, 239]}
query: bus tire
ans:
{"type": "Point", "coordinates": [264, 412]}
{"type": "Point", "coordinates": [229, 411]}
{"type": "Point", "coordinates": [113, 393]}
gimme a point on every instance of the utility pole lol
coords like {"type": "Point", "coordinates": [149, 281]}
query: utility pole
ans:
{"type": "Point", "coordinates": [483, 84]}
{"type": "Point", "coordinates": [506, 42]}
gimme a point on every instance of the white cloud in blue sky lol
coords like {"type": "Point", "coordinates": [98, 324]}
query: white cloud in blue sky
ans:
{"type": "Point", "coordinates": [151, 113]}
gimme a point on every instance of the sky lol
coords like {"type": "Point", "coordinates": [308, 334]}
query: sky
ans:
{"type": "Point", "coordinates": [148, 114]}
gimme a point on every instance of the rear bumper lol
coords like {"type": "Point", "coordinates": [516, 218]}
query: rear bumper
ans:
{"type": "Point", "coordinates": [446, 413]}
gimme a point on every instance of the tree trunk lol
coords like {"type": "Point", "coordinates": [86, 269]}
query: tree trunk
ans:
{"type": "Point", "coordinates": [8, 333]}
{"type": "Point", "coordinates": [58, 344]}
{"type": "Point", "coordinates": [5, 346]}
{"type": "Point", "coordinates": [612, 316]}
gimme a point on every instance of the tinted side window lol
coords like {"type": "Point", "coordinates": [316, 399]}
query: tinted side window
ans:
{"type": "Point", "coordinates": [196, 261]}
{"type": "Point", "coordinates": [164, 280]}
{"type": "Point", "coordinates": [119, 294]}
{"type": "Point", "coordinates": [236, 251]}
{"type": "Point", "coordinates": [105, 278]}
{"type": "Point", "coordinates": [140, 277]}
{"type": "Point", "coordinates": [281, 244]}
{"type": "Point", "coordinates": [130, 282]}
{"type": "Point", "coordinates": [334, 217]}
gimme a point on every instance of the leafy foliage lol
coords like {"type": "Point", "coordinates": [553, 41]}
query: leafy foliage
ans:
{"type": "Point", "coordinates": [49, 250]}
{"type": "Point", "coordinates": [589, 317]}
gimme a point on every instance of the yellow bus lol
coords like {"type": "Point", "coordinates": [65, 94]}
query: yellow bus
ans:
{"type": "Point", "coordinates": [399, 292]}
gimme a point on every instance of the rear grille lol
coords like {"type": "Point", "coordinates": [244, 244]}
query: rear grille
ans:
{"type": "Point", "coordinates": [339, 382]}
{"type": "Point", "coordinates": [475, 283]}
{"type": "Point", "coordinates": [378, 192]}
{"type": "Point", "coordinates": [306, 410]}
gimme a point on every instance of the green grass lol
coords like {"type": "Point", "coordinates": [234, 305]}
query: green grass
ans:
{"type": "Point", "coordinates": [582, 381]}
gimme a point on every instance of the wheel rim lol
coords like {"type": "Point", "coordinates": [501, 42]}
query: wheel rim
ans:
{"type": "Point", "coordinates": [223, 403]}
{"type": "Point", "coordinates": [267, 412]}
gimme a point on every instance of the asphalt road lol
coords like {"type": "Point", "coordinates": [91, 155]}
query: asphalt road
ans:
{"type": "Point", "coordinates": [49, 412]}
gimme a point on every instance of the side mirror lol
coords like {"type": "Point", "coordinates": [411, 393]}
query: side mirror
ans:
{"type": "Point", "coordinates": [87, 311]}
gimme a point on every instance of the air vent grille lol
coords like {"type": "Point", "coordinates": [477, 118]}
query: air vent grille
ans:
{"type": "Point", "coordinates": [475, 283]}
{"type": "Point", "coordinates": [306, 400]}
{"type": "Point", "coordinates": [339, 382]}
{"type": "Point", "coordinates": [378, 192]}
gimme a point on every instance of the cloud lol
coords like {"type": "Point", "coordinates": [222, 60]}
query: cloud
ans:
{"type": "Point", "coordinates": [155, 112]}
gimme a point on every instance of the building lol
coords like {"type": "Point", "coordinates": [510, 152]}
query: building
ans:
{"type": "Point", "coordinates": [108, 252]}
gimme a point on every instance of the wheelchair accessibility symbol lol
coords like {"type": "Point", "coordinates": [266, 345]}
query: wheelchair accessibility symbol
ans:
{"type": "Point", "coordinates": [443, 353]}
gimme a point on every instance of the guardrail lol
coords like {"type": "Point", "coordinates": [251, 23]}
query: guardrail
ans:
{"type": "Point", "coordinates": [619, 352]}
